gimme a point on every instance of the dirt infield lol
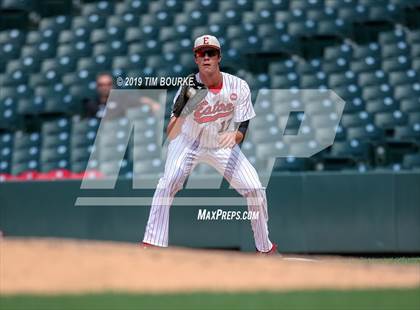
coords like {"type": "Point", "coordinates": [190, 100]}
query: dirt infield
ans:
{"type": "Point", "coordinates": [69, 266]}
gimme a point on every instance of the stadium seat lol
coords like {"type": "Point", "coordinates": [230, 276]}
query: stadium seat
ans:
{"type": "Point", "coordinates": [56, 126]}
{"type": "Point", "coordinates": [413, 36]}
{"type": "Point", "coordinates": [60, 65]}
{"type": "Point", "coordinates": [33, 37]}
{"type": "Point", "coordinates": [390, 119]}
{"type": "Point", "coordinates": [191, 19]}
{"type": "Point", "coordinates": [368, 64]}
{"type": "Point", "coordinates": [99, 63]}
{"type": "Point", "coordinates": [342, 51]}
{"type": "Point", "coordinates": [314, 80]}
{"type": "Point", "coordinates": [18, 168]}
{"type": "Point", "coordinates": [58, 23]}
{"type": "Point", "coordinates": [312, 66]}
{"type": "Point", "coordinates": [128, 19]}
{"type": "Point", "coordinates": [80, 34]}
{"type": "Point", "coordinates": [83, 139]}
{"type": "Point", "coordinates": [341, 79]}
{"type": "Point", "coordinates": [390, 37]}
{"type": "Point", "coordinates": [93, 21]}
{"type": "Point", "coordinates": [286, 45]}
{"type": "Point", "coordinates": [375, 78]}
{"type": "Point", "coordinates": [180, 46]}
{"type": "Point", "coordinates": [55, 155]}
{"type": "Point", "coordinates": [26, 155]}
{"type": "Point", "coordinates": [287, 16]}
{"type": "Point", "coordinates": [355, 12]}
{"type": "Point", "coordinates": [60, 138]}
{"type": "Point", "coordinates": [282, 67]}
{"type": "Point", "coordinates": [407, 91]}
{"type": "Point", "coordinates": [125, 63]}
{"type": "Point", "coordinates": [115, 167]}
{"type": "Point", "coordinates": [159, 19]}
{"type": "Point", "coordinates": [24, 140]}
{"type": "Point", "coordinates": [411, 161]}
{"type": "Point", "coordinates": [370, 50]}
{"type": "Point", "coordinates": [31, 106]}
{"type": "Point", "coordinates": [335, 66]}
{"type": "Point", "coordinates": [265, 135]}
{"type": "Point", "coordinates": [178, 32]}
{"type": "Point", "coordinates": [135, 6]}
{"type": "Point", "coordinates": [111, 152]}
{"type": "Point", "coordinates": [172, 6]}
{"type": "Point", "coordinates": [133, 35]}
{"type": "Point", "coordinates": [302, 28]}
{"type": "Point", "coordinates": [105, 35]}
{"type": "Point", "coordinates": [147, 151]}
{"type": "Point", "coordinates": [323, 13]}
{"type": "Point", "coordinates": [358, 119]}
{"type": "Point", "coordinates": [146, 48]}
{"type": "Point", "coordinates": [415, 50]}
{"type": "Point", "coordinates": [285, 82]}
{"type": "Point", "coordinates": [292, 164]}
{"type": "Point", "coordinates": [337, 27]}
{"type": "Point", "coordinates": [416, 64]}
{"type": "Point", "coordinates": [399, 63]}
{"type": "Point", "coordinates": [55, 165]}
{"type": "Point", "coordinates": [384, 104]}
{"type": "Point", "coordinates": [410, 132]}
{"type": "Point", "coordinates": [147, 167]}
{"type": "Point", "coordinates": [256, 18]}
{"type": "Point", "coordinates": [353, 148]}
{"type": "Point", "coordinates": [101, 7]}
{"type": "Point", "coordinates": [395, 50]}
{"type": "Point", "coordinates": [110, 49]}
{"type": "Point", "coordinates": [237, 5]}
{"type": "Point", "coordinates": [369, 132]}
{"type": "Point", "coordinates": [264, 30]}
{"type": "Point", "coordinates": [377, 92]}
{"type": "Point", "coordinates": [414, 118]}
{"type": "Point", "coordinates": [6, 153]}
{"type": "Point", "coordinates": [13, 36]}
{"type": "Point", "coordinates": [75, 49]}
{"type": "Point", "coordinates": [49, 77]}
{"type": "Point", "coordinates": [348, 92]}
{"type": "Point", "coordinates": [410, 105]}
{"type": "Point", "coordinates": [250, 44]}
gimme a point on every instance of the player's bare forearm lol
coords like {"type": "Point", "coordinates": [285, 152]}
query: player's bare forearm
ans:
{"type": "Point", "coordinates": [239, 137]}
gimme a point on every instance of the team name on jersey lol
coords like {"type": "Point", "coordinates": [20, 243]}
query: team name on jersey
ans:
{"type": "Point", "coordinates": [205, 113]}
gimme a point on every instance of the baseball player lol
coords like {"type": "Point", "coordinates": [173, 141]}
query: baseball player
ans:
{"type": "Point", "coordinates": [209, 119]}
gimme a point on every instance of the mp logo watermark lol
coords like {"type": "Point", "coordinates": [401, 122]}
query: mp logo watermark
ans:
{"type": "Point", "coordinates": [289, 124]}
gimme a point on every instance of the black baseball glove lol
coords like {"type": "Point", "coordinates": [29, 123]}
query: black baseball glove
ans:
{"type": "Point", "coordinates": [189, 97]}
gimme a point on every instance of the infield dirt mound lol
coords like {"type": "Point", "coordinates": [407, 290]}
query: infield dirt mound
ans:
{"type": "Point", "coordinates": [69, 266]}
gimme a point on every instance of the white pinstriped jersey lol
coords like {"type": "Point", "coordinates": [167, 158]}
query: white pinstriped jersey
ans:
{"type": "Point", "coordinates": [216, 112]}
{"type": "Point", "coordinates": [198, 143]}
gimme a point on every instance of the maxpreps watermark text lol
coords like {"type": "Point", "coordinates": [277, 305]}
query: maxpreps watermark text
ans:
{"type": "Point", "coordinates": [219, 214]}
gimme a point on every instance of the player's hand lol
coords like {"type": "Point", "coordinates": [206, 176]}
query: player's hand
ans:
{"type": "Point", "coordinates": [227, 139]}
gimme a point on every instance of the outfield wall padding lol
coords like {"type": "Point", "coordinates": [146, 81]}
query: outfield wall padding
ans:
{"type": "Point", "coordinates": [376, 212]}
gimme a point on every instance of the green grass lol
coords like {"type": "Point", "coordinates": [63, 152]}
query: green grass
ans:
{"type": "Point", "coordinates": [388, 299]}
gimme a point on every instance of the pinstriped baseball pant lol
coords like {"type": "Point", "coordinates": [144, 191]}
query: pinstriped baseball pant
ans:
{"type": "Point", "coordinates": [183, 155]}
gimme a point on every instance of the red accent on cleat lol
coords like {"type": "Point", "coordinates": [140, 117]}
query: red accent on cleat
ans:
{"type": "Point", "coordinates": [146, 245]}
{"type": "Point", "coordinates": [273, 251]}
